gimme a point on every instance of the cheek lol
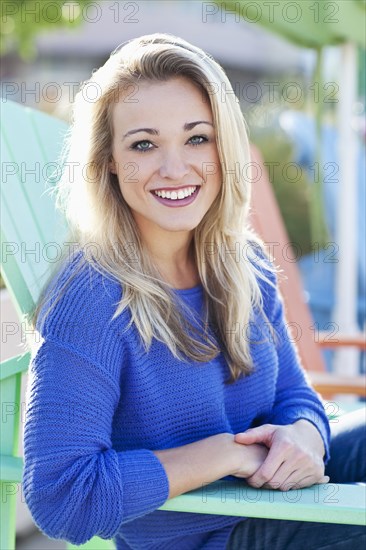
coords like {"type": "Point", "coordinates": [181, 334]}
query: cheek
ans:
{"type": "Point", "coordinates": [129, 176]}
{"type": "Point", "coordinates": [132, 182]}
{"type": "Point", "coordinates": [135, 173]}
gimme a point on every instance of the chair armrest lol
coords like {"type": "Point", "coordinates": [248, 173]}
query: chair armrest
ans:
{"type": "Point", "coordinates": [328, 503]}
{"type": "Point", "coordinates": [329, 383]}
{"type": "Point", "coordinates": [330, 340]}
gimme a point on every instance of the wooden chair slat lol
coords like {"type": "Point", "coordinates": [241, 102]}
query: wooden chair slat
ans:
{"type": "Point", "coordinates": [11, 468]}
{"type": "Point", "coordinates": [329, 340]}
{"type": "Point", "coordinates": [331, 503]}
{"type": "Point", "coordinates": [15, 365]}
{"type": "Point", "coordinates": [30, 221]}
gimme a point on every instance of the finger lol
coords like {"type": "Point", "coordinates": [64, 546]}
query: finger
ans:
{"type": "Point", "coordinates": [262, 434]}
{"type": "Point", "coordinates": [294, 474]}
{"type": "Point", "coordinates": [274, 461]}
{"type": "Point", "coordinates": [296, 480]}
{"type": "Point", "coordinates": [293, 483]}
{"type": "Point", "coordinates": [324, 479]}
{"type": "Point", "coordinates": [286, 472]}
{"type": "Point", "coordinates": [279, 464]}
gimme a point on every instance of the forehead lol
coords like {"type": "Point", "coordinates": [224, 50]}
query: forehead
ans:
{"type": "Point", "coordinates": [174, 99]}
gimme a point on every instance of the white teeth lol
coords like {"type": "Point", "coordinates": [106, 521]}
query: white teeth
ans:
{"type": "Point", "coordinates": [173, 195]}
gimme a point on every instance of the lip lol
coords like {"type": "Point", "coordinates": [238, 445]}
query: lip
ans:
{"type": "Point", "coordinates": [181, 202]}
{"type": "Point", "coordinates": [173, 188]}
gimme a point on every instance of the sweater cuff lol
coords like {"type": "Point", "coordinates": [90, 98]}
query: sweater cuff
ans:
{"type": "Point", "coordinates": [324, 431]}
{"type": "Point", "coordinates": [316, 420]}
{"type": "Point", "coordinates": [145, 484]}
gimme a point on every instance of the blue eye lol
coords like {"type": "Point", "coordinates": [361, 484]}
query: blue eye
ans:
{"type": "Point", "coordinates": [143, 145]}
{"type": "Point", "coordinates": [143, 149]}
{"type": "Point", "coordinates": [204, 138]}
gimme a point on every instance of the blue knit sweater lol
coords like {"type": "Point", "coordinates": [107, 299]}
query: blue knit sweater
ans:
{"type": "Point", "coordinates": [98, 405]}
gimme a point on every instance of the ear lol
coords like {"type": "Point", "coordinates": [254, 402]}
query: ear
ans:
{"type": "Point", "coordinates": [112, 166]}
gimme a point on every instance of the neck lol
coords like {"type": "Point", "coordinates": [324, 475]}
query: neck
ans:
{"type": "Point", "coordinates": [174, 258]}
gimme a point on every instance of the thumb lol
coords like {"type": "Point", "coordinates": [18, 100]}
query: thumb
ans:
{"type": "Point", "coordinates": [262, 434]}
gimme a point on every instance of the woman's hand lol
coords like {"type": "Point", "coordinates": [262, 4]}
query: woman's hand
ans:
{"type": "Point", "coordinates": [295, 455]}
{"type": "Point", "coordinates": [250, 459]}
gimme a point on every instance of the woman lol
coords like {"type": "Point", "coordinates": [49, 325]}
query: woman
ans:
{"type": "Point", "coordinates": [160, 347]}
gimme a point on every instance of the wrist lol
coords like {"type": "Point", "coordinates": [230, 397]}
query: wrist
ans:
{"type": "Point", "coordinates": [308, 429]}
{"type": "Point", "coordinates": [228, 448]}
{"type": "Point", "coordinates": [196, 464]}
{"type": "Point", "coordinates": [239, 456]}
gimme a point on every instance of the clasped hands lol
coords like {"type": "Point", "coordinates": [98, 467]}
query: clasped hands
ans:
{"type": "Point", "coordinates": [282, 457]}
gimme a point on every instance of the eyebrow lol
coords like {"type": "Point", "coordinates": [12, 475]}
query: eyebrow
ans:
{"type": "Point", "coordinates": [152, 131]}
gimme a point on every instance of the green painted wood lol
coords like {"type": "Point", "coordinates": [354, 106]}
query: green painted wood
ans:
{"type": "Point", "coordinates": [330, 503]}
{"type": "Point", "coordinates": [16, 285]}
{"type": "Point", "coordinates": [350, 407]}
{"type": "Point", "coordinates": [10, 414]}
{"type": "Point", "coordinates": [10, 463]}
{"type": "Point", "coordinates": [22, 232]}
{"type": "Point", "coordinates": [32, 230]}
{"type": "Point", "coordinates": [30, 141]}
{"type": "Point", "coordinates": [11, 468]}
{"type": "Point", "coordinates": [15, 365]}
{"type": "Point", "coordinates": [96, 543]}
{"type": "Point", "coordinates": [7, 514]}
{"type": "Point", "coordinates": [9, 408]}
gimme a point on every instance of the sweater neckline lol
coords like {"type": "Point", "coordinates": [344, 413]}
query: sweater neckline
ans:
{"type": "Point", "coordinates": [188, 291]}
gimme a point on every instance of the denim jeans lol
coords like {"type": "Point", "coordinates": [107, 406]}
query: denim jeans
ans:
{"type": "Point", "coordinates": [346, 465]}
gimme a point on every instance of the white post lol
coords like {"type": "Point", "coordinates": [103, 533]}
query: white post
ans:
{"type": "Point", "coordinates": [345, 311]}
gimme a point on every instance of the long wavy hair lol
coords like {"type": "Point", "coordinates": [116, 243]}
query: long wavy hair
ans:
{"type": "Point", "coordinates": [230, 280]}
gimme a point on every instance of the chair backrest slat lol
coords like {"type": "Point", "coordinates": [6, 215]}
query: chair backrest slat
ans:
{"type": "Point", "coordinates": [32, 230]}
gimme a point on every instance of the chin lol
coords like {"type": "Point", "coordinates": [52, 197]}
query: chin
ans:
{"type": "Point", "coordinates": [181, 227]}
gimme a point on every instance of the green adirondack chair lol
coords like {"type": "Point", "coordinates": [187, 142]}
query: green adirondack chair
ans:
{"type": "Point", "coordinates": [32, 233]}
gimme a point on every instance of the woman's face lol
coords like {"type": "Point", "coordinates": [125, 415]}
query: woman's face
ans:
{"type": "Point", "coordinates": [165, 155]}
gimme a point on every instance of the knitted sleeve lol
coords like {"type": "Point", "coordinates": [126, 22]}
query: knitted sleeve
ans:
{"type": "Point", "coordinates": [295, 398]}
{"type": "Point", "coordinates": [75, 484]}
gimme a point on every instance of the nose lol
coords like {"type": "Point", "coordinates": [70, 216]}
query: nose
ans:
{"type": "Point", "coordinates": [173, 166]}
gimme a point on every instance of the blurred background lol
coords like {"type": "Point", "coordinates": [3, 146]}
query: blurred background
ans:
{"type": "Point", "coordinates": [298, 70]}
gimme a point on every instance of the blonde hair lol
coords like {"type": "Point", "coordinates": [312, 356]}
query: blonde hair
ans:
{"type": "Point", "coordinates": [230, 282]}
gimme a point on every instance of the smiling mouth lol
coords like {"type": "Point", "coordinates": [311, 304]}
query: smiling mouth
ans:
{"type": "Point", "coordinates": [176, 195]}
